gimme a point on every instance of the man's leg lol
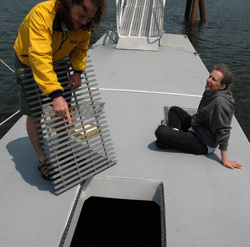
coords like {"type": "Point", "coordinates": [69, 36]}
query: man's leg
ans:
{"type": "Point", "coordinates": [22, 76]}
{"type": "Point", "coordinates": [32, 130]}
{"type": "Point", "coordinates": [178, 118]}
{"type": "Point", "coordinates": [187, 142]}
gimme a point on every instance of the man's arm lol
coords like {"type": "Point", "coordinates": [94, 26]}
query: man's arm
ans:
{"type": "Point", "coordinates": [227, 163]}
{"type": "Point", "coordinates": [59, 103]}
{"type": "Point", "coordinates": [40, 51]}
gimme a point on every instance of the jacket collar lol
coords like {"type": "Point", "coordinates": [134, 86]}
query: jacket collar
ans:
{"type": "Point", "coordinates": [57, 23]}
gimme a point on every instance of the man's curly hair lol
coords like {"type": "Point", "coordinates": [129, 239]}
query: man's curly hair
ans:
{"type": "Point", "coordinates": [227, 74]}
{"type": "Point", "coordinates": [62, 9]}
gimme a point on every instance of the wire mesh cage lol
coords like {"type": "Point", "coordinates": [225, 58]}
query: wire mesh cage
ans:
{"type": "Point", "coordinates": [78, 150]}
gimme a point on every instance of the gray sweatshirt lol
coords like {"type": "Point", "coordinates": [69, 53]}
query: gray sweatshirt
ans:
{"type": "Point", "coordinates": [212, 122]}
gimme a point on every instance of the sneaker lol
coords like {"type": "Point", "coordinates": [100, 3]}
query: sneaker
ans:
{"type": "Point", "coordinates": [164, 122]}
{"type": "Point", "coordinates": [43, 168]}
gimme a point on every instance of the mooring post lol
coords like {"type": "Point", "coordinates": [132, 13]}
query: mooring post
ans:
{"type": "Point", "coordinates": [194, 11]}
{"type": "Point", "coordinates": [195, 5]}
{"type": "Point", "coordinates": [188, 9]}
{"type": "Point", "coordinates": [202, 10]}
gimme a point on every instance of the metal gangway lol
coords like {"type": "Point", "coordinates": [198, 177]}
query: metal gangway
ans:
{"type": "Point", "coordinates": [139, 24]}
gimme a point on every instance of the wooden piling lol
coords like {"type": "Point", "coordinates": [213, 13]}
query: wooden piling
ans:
{"type": "Point", "coordinates": [194, 11]}
{"type": "Point", "coordinates": [193, 5]}
{"type": "Point", "coordinates": [188, 9]}
{"type": "Point", "coordinates": [202, 10]}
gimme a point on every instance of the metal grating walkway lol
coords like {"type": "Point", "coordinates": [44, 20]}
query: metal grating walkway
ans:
{"type": "Point", "coordinates": [78, 150]}
{"type": "Point", "coordinates": [140, 24]}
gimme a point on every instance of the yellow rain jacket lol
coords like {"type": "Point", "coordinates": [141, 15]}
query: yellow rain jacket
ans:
{"type": "Point", "coordinates": [40, 42]}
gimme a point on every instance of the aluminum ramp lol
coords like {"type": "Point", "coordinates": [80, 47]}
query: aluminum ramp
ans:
{"type": "Point", "coordinates": [139, 24]}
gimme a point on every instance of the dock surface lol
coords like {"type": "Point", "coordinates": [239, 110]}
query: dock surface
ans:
{"type": "Point", "coordinates": [206, 204]}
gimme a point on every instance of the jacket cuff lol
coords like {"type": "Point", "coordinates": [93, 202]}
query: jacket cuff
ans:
{"type": "Point", "coordinates": [56, 94]}
{"type": "Point", "coordinates": [78, 71]}
{"type": "Point", "coordinates": [223, 146]}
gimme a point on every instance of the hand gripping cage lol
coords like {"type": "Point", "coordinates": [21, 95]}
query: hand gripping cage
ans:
{"type": "Point", "coordinates": [78, 150]}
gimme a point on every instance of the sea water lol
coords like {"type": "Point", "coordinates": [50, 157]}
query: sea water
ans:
{"type": "Point", "coordinates": [223, 38]}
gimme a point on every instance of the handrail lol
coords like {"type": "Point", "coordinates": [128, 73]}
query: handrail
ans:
{"type": "Point", "coordinates": [118, 11]}
{"type": "Point", "coordinates": [4, 121]}
{"type": "Point", "coordinates": [119, 7]}
{"type": "Point", "coordinates": [162, 18]}
{"type": "Point", "coordinates": [7, 65]}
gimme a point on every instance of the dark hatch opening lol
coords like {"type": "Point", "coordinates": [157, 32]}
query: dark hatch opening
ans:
{"type": "Point", "coordinates": [108, 222]}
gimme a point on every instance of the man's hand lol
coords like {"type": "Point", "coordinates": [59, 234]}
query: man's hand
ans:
{"type": "Point", "coordinates": [227, 163]}
{"type": "Point", "coordinates": [232, 164]}
{"type": "Point", "coordinates": [61, 108]}
{"type": "Point", "coordinates": [75, 81]}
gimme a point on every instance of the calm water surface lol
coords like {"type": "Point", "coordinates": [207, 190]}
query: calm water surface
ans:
{"type": "Point", "coordinates": [223, 38]}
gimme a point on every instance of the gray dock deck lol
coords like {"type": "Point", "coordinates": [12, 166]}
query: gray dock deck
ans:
{"type": "Point", "coordinates": [206, 204]}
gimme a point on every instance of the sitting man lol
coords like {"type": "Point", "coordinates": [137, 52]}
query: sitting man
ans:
{"type": "Point", "coordinates": [209, 127]}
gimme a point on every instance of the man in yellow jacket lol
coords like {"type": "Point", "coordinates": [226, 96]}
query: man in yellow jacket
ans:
{"type": "Point", "coordinates": [50, 31]}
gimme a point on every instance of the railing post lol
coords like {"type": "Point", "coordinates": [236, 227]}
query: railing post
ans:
{"type": "Point", "coordinates": [118, 13]}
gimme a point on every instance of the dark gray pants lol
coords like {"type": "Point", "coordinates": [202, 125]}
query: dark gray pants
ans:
{"type": "Point", "coordinates": [183, 139]}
